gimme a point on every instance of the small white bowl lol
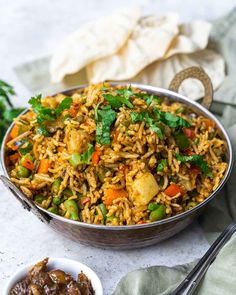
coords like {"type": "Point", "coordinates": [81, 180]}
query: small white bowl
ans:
{"type": "Point", "coordinates": [71, 267]}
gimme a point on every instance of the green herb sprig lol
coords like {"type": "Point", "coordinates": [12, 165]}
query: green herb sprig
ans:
{"type": "Point", "coordinates": [45, 114]}
{"type": "Point", "coordinates": [104, 118]}
{"type": "Point", "coordinates": [198, 161]}
{"type": "Point", "coordinates": [7, 111]}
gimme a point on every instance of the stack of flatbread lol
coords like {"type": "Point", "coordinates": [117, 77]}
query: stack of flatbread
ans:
{"type": "Point", "coordinates": [127, 46]}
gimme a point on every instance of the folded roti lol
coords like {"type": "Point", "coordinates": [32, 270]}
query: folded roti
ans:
{"type": "Point", "coordinates": [93, 41]}
{"type": "Point", "coordinates": [149, 42]}
{"type": "Point", "coordinates": [161, 73]}
{"type": "Point", "coordinates": [192, 37]}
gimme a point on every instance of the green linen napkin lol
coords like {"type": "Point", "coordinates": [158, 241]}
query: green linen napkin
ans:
{"type": "Point", "coordinates": [161, 280]}
{"type": "Point", "coordinates": [220, 212]}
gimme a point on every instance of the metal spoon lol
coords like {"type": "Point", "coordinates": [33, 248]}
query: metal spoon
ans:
{"type": "Point", "coordinates": [190, 283]}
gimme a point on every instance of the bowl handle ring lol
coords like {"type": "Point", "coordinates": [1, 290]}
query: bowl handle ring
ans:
{"type": "Point", "coordinates": [199, 74]}
{"type": "Point", "coordinates": [25, 202]}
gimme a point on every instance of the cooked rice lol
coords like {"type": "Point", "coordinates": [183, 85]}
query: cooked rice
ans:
{"type": "Point", "coordinates": [134, 150]}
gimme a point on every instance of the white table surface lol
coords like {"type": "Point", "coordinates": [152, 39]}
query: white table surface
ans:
{"type": "Point", "coordinates": [31, 29]}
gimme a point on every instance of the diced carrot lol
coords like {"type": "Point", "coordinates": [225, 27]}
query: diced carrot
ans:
{"type": "Point", "coordinates": [189, 133]}
{"type": "Point", "coordinates": [60, 149]}
{"type": "Point", "coordinates": [112, 194]}
{"type": "Point", "coordinates": [173, 190]}
{"type": "Point", "coordinates": [44, 166]}
{"type": "Point", "coordinates": [28, 163]}
{"type": "Point", "coordinates": [14, 158]}
{"type": "Point", "coordinates": [209, 123]}
{"type": "Point", "coordinates": [15, 131]}
{"type": "Point", "coordinates": [96, 156]}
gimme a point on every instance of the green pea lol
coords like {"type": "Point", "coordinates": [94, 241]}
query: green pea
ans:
{"type": "Point", "coordinates": [39, 199]}
{"type": "Point", "coordinates": [67, 192]}
{"type": "Point", "coordinates": [57, 201]}
{"type": "Point", "coordinates": [72, 208]}
{"type": "Point", "coordinates": [56, 185]}
{"type": "Point", "coordinates": [75, 160]}
{"type": "Point", "coordinates": [53, 210]}
{"type": "Point", "coordinates": [153, 206]}
{"type": "Point", "coordinates": [158, 214]}
{"type": "Point", "coordinates": [22, 172]}
{"type": "Point", "coordinates": [103, 209]}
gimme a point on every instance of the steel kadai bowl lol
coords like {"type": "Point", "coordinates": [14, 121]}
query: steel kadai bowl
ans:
{"type": "Point", "coordinates": [141, 235]}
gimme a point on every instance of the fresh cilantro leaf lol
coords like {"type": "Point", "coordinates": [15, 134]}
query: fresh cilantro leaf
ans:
{"type": "Point", "coordinates": [64, 105]}
{"type": "Point", "coordinates": [170, 119]}
{"type": "Point", "coordinates": [162, 165]}
{"type": "Point", "coordinates": [3, 127]}
{"type": "Point", "coordinates": [6, 91]}
{"type": "Point", "coordinates": [96, 111]}
{"type": "Point", "coordinates": [136, 117]}
{"type": "Point", "coordinates": [85, 158]}
{"type": "Point", "coordinates": [198, 161]}
{"type": "Point", "coordinates": [106, 117]}
{"type": "Point", "coordinates": [7, 112]}
{"type": "Point", "coordinates": [145, 116]}
{"type": "Point", "coordinates": [10, 114]}
{"type": "Point", "coordinates": [181, 140]}
{"type": "Point", "coordinates": [117, 101]}
{"type": "Point", "coordinates": [156, 127]}
{"type": "Point", "coordinates": [45, 114]}
{"type": "Point", "coordinates": [42, 130]}
{"type": "Point", "coordinates": [126, 92]}
{"type": "Point", "coordinates": [149, 98]}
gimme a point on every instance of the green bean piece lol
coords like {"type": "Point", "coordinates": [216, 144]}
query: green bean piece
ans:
{"type": "Point", "coordinates": [22, 172]}
{"type": "Point", "coordinates": [72, 208]}
{"type": "Point", "coordinates": [67, 192]}
{"type": "Point", "coordinates": [56, 185]}
{"type": "Point", "coordinates": [39, 198]}
{"type": "Point", "coordinates": [75, 160]}
{"type": "Point", "coordinates": [57, 201]}
{"type": "Point", "coordinates": [158, 214]}
{"type": "Point", "coordinates": [180, 110]}
{"type": "Point", "coordinates": [103, 209]}
{"type": "Point", "coordinates": [109, 219]}
{"type": "Point", "coordinates": [153, 206]}
{"type": "Point", "coordinates": [53, 210]}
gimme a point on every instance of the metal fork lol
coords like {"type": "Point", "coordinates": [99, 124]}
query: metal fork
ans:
{"type": "Point", "coordinates": [190, 283]}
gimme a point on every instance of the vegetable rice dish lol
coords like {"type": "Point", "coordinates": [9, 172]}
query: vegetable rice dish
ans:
{"type": "Point", "coordinates": [114, 155]}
